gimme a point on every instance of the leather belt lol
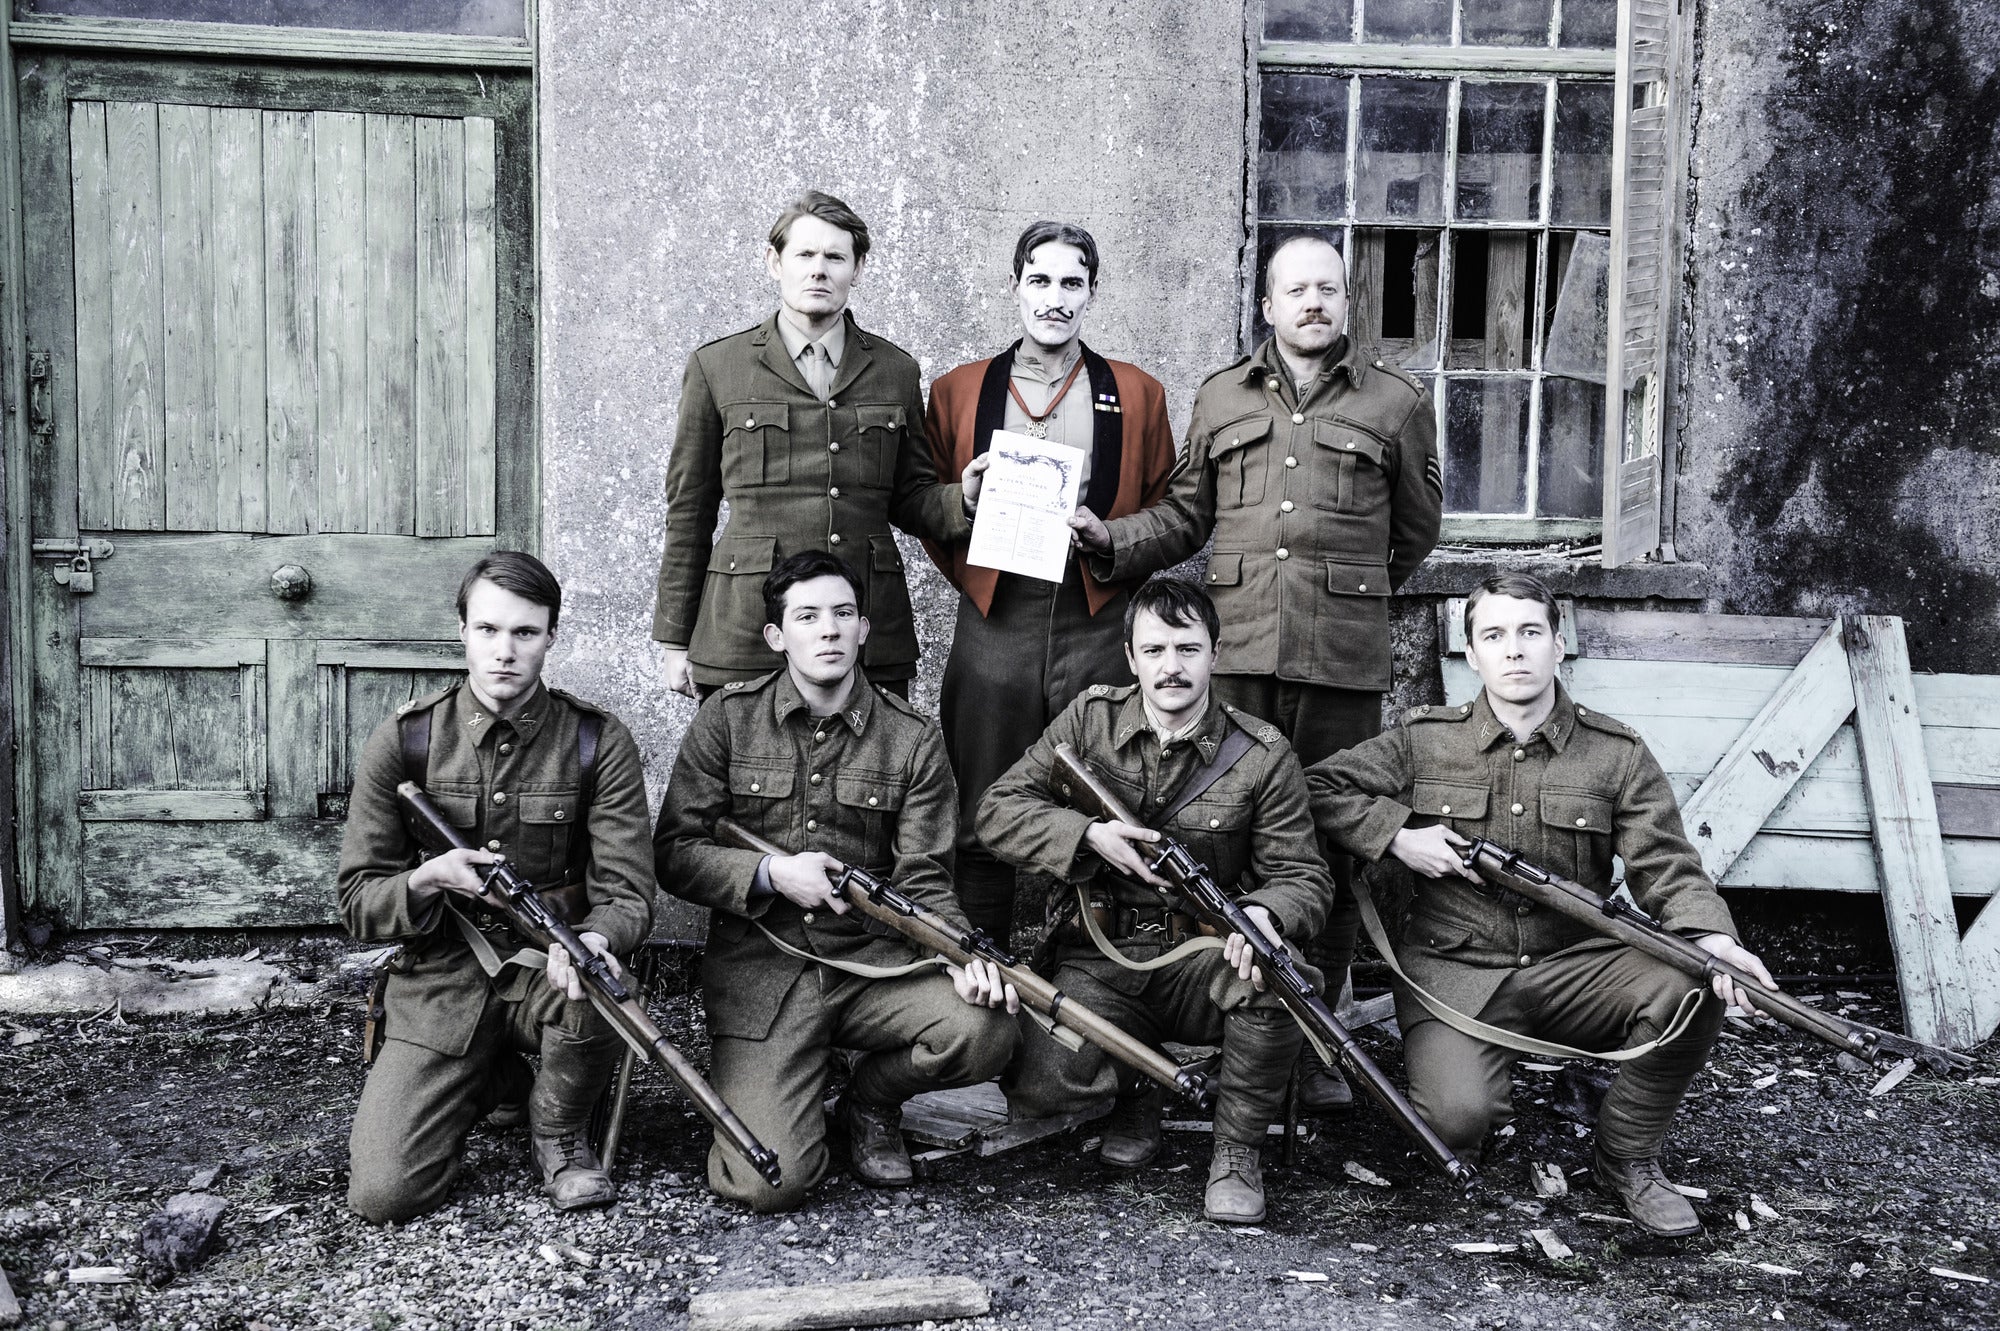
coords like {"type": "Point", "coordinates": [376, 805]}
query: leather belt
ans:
{"type": "Point", "coordinates": [1150, 926]}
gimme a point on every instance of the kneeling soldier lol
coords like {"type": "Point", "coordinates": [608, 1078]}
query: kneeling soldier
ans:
{"type": "Point", "coordinates": [1228, 786]}
{"type": "Point", "coordinates": [552, 784]}
{"type": "Point", "coordinates": [1567, 788]}
{"type": "Point", "coordinates": [816, 758]}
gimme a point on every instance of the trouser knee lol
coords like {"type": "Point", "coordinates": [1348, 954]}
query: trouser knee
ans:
{"type": "Point", "coordinates": [731, 1178]}
{"type": "Point", "coordinates": [387, 1192]}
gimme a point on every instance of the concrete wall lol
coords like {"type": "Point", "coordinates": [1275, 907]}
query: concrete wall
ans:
{"type": "Point", "coordinates": [1841, 419]}
{"type": "Point", "coordinates": [670, 136]}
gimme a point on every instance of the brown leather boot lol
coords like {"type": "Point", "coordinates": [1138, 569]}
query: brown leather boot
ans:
{"type": "Point", "coordinates": [1132, 1133]}
{"type": "Point", "coordinates": [572, 1176]}
{"type": "Point", "coordinates": [1648, 1198]}
{"type": "Point", "coordinates": [1322, 1088]}
{"type": "Point", "coordinates": [1235, 1193]}
{"type": "Point", "coordinates": [875, 1142]}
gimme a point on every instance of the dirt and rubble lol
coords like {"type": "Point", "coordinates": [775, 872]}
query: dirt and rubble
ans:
{"type": "Point", "coordinates": [1825, 1206]}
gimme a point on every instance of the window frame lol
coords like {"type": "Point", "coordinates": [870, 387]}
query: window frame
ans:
{"type": "Point", "coordinates": [253, 41]}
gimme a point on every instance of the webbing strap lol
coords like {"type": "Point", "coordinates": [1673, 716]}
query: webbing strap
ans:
{"type": "Point", "coordinates": [1234, 745]}
{"type": "Point", "coordinates": [1205, 943]}
{"type": "Point", "coordinates": [489, 957]}
{"type": "Point", "coordinates": [860, 968]}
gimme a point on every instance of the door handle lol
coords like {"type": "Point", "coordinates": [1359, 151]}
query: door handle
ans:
{"type": "Point", "coordinates": [41, 396]}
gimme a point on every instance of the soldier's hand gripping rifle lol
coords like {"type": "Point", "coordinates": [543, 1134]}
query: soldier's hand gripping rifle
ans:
{"type": "Point", "coordinates": [1191, 881]}
{"type": "Point", "coordinates": [931, 932]}
{"type": "Point", "coordinates": [514, 899]}
{"type": "Point", "coordinates": [1617, 919]}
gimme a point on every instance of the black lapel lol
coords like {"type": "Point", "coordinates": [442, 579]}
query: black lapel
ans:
{"type": "Point", "coordinates": [1107, 447]}
{"type": "Point", "coordinates": [992, 414]}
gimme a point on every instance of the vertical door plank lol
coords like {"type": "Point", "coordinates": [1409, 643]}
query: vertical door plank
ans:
{"type": "Point", "coordinates": [331, 684]}
{"type": "Point", "coordinates": [97, 709]}
{"type": "Point", "coordinates": [186, 278]}
{"type": "Point", "coordinates": [90, 205]}
{"type": "Point", "coordinates": [440, 300]}
{"type": "Point", "coordinates": [290, 316]}
{"type": "Point", "coordinates": [253, 695]}
{"type": "Point", "coordinates": [142, 740]}
{"type": "Point", "coordinates": [391, 316]}
{"type": "Point", "coordinates": [295, 728]}
{"type": "Point", "coordinates": [1909, 846]}
{"type": "Point", "coordinates": [341, 208]}
{"type": "Point", "coordinates": [481, 327]}
{"type": "Point", "coordinates": [138, 409]}
{"type": "Point", "coordinates": [238, 137]}
{"type": "Point", "coordinates": [205, 714]}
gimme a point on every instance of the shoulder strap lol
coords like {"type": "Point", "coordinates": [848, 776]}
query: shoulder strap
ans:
{"type": "Point", "coordinates": [1234, 745]}
{"type": "Point", "coordinates": [416, 732]}
{"type": "Point", "coordinates": [589, 729]}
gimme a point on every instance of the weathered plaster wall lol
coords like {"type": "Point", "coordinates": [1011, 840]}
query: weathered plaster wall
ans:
{"type": "Point", "coordinates": [1841, 420]}
{"type": "Point", "coordinates": [670, 136]}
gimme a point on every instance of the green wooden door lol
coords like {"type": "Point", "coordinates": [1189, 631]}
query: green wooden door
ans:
{"type": "Point", "coordinates": [281, 361]}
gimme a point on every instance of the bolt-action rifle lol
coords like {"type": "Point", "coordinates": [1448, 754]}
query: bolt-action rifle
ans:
{"type": "Point", "coordinates": [1614, 918]}
{"type": "Point", "coordinates": [514, 899]}
{"type": "Point", "coordinates": [931, 932]}
{"type": "Point", "coordinates": [1190, 880]}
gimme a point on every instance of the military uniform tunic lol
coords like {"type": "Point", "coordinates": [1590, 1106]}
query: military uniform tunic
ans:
{"type": "Point", "coordinates": [798, 474]}
{"type": "Point", "coordinates": [510, 785]}
{"type": "Point", "coordinates": [1252, 827]}
{"type": "Point", "coordinates": [1578, 791]}
{"type": "Point", "coordinates": [868, 786]}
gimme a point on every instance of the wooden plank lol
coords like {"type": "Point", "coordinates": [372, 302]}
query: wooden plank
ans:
{"type": "Point", "coordinates": [97, 710]}
{"type": "Point", "coordinates": [142, 746]}
{"type": "Point", "coordinates": [206, 711]}
{"type": "Point", "coordinates": [90, 195]}
{"type": "Point", "coordinates": [1663, 635]}
{"type": "Point", "coordinates": [291, 302]}
{"type": "Point", "coordinates": [340, 210]}
{"type": "Point", "coordinates": [253, 682]}
{"type": "Point", "coordinates": [237, 134]}
{"type": "Point", "coordinates": [1019, 1132]}
{"type": "Point", "coordinates": [331, 685]}
{"type": "Point", "coordinates": [294, 730]}
{"type": "Point", "coordinates": [1981, 950]}
{"type": "Point", "coordinates": [862, 1303]}
{"type": "Point", "coordinates": [481, 327]}
{"type": "Point", "coordinates": [373, 697]}
{"type": "Point", "coordinates": [1967, 810]}
{"type": "Point", "coordinates": [169, 806]}
{"type": "Point", "coordinates": [1909, 848]}
{"type": "Point", "coordinates": [364, 587]}
{"type": "Point", "coordinates": [210, 875]}
{"type": "Point", "coordinates": [391, 322]}
{"type": "Point", "coordinates": [187, 279]}
{"type": "Point", "coordinates": [1847, 864]}
{"type": "Point", "coordinates": [440, 302]}
{"type": "Point", "coordinates": [1770, 756]}
{"type": "Point", "coordinates": [186, 653]}
{"type": "Point", "coordinates": [393, 655]}
{"type": "Point", "coordinates": [138, 407]}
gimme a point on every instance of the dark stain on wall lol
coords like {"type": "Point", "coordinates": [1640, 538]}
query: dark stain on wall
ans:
{"type": "Point", "coordinates": [1874, 346]}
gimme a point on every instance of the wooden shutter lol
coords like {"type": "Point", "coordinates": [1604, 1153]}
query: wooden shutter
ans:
{"type": "Point", "coordinates": [1642, 195]}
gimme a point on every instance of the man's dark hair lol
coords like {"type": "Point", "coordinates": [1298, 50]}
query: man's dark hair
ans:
{"type": "Point", "coordinates": [1521, 586]}
{"type": "Point", "coordinates": [1177, 601]}
{"type": "Point", "coordinates": [1287, 238]}
{"type": "Point", "coordinates": [828, 210]}
{"type": "Point", "coordinates": [1046, 232]}
{"type": "Point", "coordinates": [520, 573]}
{"type": "Point", "coordinates": [804, 567]}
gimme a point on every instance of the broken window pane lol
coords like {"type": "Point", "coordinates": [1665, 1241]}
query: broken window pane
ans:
{"type": "Point", "coordinates": [1582, 186]}
{"type": "Point", "coordinates": [1309, 20]}
{"type": "Point", "coordinates": [1591, 23]}
{"type": "Point", "coordinates": [1486, 445]}
{"type": "Point", "coordinates": [1393, 295]}
{"type": "Point", "coordinates": [1407, 21]}
{"type": "Point", "coordinates": [1505, 22]}
{"type": "Point", "coordinates": [1572, 462]}
{"type": "Point", "coordinates": [1302, 168]}
{"type": "Point", "coordinates": [1492, 299]}
{"type": "Point", "coordinates": [472, 18]}
{"type": "Point", "coordinates": [1500, 151]}
{"type": "Point", "coordinates": [1579, 305]}
{"type": "Point", "coordinates": [1400, 174]}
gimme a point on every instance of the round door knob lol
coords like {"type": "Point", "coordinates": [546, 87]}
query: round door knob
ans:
{"type": "Point", "coordinates": [290, 582]}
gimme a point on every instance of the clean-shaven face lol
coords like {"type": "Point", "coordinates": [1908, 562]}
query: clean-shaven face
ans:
{"type": "Point", "coordinates": [1307, 304]}
{"type": "Point", "coordinates": [1172, 664]}
{"type": "Point", "coordinates": [1053, 291]}
{"type": "Point", "coordinates": [817, 270]}
{"type": "Point", "coordinates": [821, 631]}
{"type": "Point", "coordinates": [1514, 649]}
{"type": "Point", "coordinates": [507, 637]}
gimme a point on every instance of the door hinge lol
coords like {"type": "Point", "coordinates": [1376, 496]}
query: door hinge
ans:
{"type": "Point", "coordinates": [75, 572]}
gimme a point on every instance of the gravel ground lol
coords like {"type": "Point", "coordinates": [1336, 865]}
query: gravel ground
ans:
{"type": "Point", "coordinates": [1826, 1207]}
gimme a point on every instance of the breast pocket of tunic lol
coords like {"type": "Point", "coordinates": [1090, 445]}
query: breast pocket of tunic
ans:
{"type": "Point", "coordinates": [1240, 454]}
{"type": "Point", "coordinates": [1581, 821]}
{"type": "Point", "coordinates": [756, 444]}
{"type": "Point", "coordinates": [1216, 829]}
{"type": "Point", "coordinates": [1351, 467]}
{"type": "Point", "coordinates": [878, 434]}
{"type": "Point", "coordinates": [760, 796]}
{"type": "Point", "coordinates": [869, 804]}
{"type": "Point", "coordinates": [548, 825]}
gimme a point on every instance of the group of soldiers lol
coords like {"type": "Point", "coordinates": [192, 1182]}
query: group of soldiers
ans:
{"type": "Point", "coordinates": [1240, 716]}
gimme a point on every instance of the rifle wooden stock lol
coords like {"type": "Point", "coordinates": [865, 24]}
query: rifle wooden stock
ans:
{"type": "Point", "coordinates": [512, 897]}
{"type": "Point", "coordinates": [1613, 918]}
{"type": "Point", "coordinates": [931, 932]}
{"type": "Point", "coordinates": [1192, 882]}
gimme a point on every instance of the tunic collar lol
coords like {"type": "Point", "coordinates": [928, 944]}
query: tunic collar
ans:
{"type": "Point", "coordinates": [785, 699]}
{"type": "Point", "coordinates": [833, 341]}
{"type": "Point", "coordinates": [1268, 363]}
{"type": "Point", "coordinates": [1134, 720]}
{"type": "Point", "coordinates": [1557, 729]}
{"type": "Point", "coordinates": [478, 722]}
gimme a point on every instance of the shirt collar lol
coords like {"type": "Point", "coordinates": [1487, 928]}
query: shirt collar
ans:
{"type": "Point", "coordinates": [786, 699]}
{"type": "Point", "coordinates": [477, 721]}
{"type": "Point", "coordinates": [1037, 367]}
{"type": "Point", "coordinates": [833, 341]}
{"type": "Point", "coordinates": [1268, 362]}
{"type": "Point", "coordinates": [1135, 719]}
{"type": "Point", "coordinates": [1556, 729]}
